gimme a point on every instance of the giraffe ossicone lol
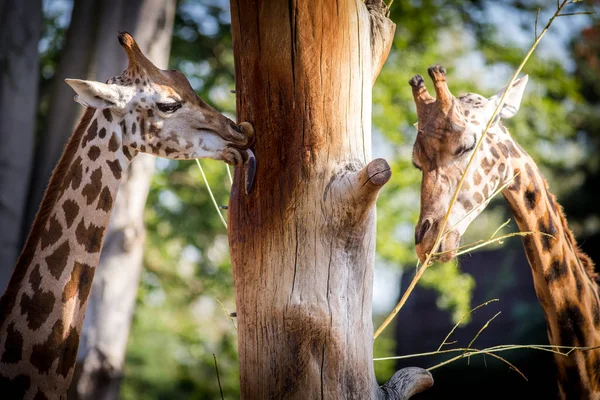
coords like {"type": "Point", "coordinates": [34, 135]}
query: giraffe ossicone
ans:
{"type": "Point", "coordinates": [564, 277]}
{"type": "Point", "coordinates": [147, 110]}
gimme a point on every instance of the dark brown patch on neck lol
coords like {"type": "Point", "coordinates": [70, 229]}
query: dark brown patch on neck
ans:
{"type": "Point", "coordinates": [79, 284]}
{"type": "Point", "coordinates": [65, 350]}
{"type": "Point", "coordinates": [76, 173]}
{"type": "Point", "coordinates": [57, 261]}
{"type": "Point", "coordinates": [102, 133]}
{"type": "Point", "coordinates": [115, 167]}
{"type": "Point", "coordinates": [92, 189]}
{"type": "Point", "coordinates": [13, 346]}
{"type": "Point", "coordinates": [105, 203]}
{"type": "Point", "coordinates": [503, 149]}
{"type": "Point", "coordinates": [71, 209]}
{"type": "Point", "coordinates": [114, 142]}
{"type": "Point", "coordinates": [547, 227]}
{"type": "Point", "coordinates": [94, 153]}
{"type": "Point", "coordinates": [52, 234]}
{"type": "Point", "coordinates": [107, 114]}
{"type": "Point", "coordinates": [90, 237]}
{"type": "Point", "coordinates": [37, 308]}
{"type": "Point", "coordinates": [92, 132]}
{"type": "Point", "coordinates": [15, 388]}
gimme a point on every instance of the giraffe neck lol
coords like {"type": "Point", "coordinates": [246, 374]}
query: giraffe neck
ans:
{"type": "Point", "coordinates": [563, 278]}
{"type": "Point", "coordinates": [42, 311]}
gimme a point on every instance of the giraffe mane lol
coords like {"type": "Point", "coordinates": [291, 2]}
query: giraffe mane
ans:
{"type": "Point", "coordinates": [587, 262]}
{"type": "Point", "coordinates": [51, 195]}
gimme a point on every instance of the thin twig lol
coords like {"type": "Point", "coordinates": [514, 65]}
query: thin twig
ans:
{"type": "Point", "coordinates": [577, 13]}
{"type": "Point", "coordinates": [501, 188]}
{"type": "Point", "coordinates": [228, 313]}
{"type": "Point", "coordinates": [476, 352]}
{"type": "Point", "coordinates": [481, 330]}
{"type": "Point", "coordinates": [500, 228]}
{"type": "Point", "coordinates": [462, 319]}
{"type": "Point", "coordinates": [218, 378]}
{"type": "Point", "coordinates": [229, 173]}
{"type": "Point", "coordinates": [427, 261]}
{"type": "Point", "coordinates": [211, 193]}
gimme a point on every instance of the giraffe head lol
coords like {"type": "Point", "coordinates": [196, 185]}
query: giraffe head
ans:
{"type": "Point", "coordinates": [448, 131]}
{"type": "Point", "coordinates": [161, 114]}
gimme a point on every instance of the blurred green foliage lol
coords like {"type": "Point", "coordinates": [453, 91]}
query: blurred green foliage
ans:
{"type": "Point", "coordinates": [179, 324]}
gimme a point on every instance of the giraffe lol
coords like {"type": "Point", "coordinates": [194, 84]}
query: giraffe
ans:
{"type": "Point", "coordinates": [564, 277]}
{"type": "Point", "coordinates": [145, 109]}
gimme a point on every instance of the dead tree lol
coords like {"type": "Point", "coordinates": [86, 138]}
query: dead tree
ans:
{"type": "Point", "coordinates": [303, 241]}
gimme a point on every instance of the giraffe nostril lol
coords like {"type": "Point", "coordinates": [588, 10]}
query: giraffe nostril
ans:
{"type": "Point", "coordinates": [236, 128]}
{"type": "Point", "coordinates": [421, 231]}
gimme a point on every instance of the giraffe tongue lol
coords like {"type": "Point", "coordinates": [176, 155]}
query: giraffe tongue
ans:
{"type": "Point", "coordinates": [249, 170]}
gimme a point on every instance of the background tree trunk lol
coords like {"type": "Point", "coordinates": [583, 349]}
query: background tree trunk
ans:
{"type": "Point", "coordinates": [20, 29]}
{"type": "Point", "coordinates": [303, 242]}
{"type": "Point", "coordinates": [110, 306]}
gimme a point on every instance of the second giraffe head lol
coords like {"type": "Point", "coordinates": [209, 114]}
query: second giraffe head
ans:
{"type": "Point", "coordinates": [448, 131]}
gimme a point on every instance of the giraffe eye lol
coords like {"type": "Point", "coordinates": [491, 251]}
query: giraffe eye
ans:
{"type": "Point", "coordinates": [168, 108]}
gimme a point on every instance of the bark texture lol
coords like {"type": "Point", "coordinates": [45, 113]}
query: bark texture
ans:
{"type": "Point", "coordinates": [20, 29]}
{"type": "Point", "coordinates": [303, 241]}
{"type": "Point", "coordinates": [111, 304]}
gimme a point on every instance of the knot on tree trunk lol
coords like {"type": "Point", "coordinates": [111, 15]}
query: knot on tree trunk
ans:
{"type": "Point", "coordinates": [352, 194]}
{"type": "Point", "coordinates": [406, 383]}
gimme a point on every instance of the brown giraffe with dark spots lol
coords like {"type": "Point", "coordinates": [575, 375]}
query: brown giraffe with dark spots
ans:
{"type": "Point", "coordinates": [42, 311]}
{"type": "Point", "coordinates": [564, 277]}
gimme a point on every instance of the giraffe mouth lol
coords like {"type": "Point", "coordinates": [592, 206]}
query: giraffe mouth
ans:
{"type": "Point", "coordinates": [446, 250]}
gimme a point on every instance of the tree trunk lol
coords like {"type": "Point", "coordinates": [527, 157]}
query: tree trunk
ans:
{"type": "Point", "coordinates": [20, 29]}
{"type": "Point", "coordinates": [107, 323]}
{"type": "Point", "coordinates": [302, 242]}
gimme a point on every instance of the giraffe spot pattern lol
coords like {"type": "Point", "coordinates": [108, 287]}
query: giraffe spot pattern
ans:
{"type": "Point", "coordinates": [547, 229]}
{"type": "Point", "coordinates": [572, 324]}
{"type": "Point", "coordinates": [578, 283]}
{"type": "Point", "coordinates": [79, 284]}
{"type": "Point", "coordinates": [114, 142]}
{"type": "Point", "coordinates": [468, 206]}
{"type": "Point", "coordinates": [486, 191]}
{"type": "Point", "coordinates": [115, 167]}
{"type": "Point", "coordinates": [143, 128]}
{"type": "Point", "coordinates": [35, 278]}
{"type": "Point", "coordinates": [557, 271]}
{"type": "Point", "coordinates": [530, 251]}
{"type": "Point", "coordinates": [494, 152]}
{"type": "Point", "coordinates": [512, 149]}
{"type": "Point", "coordinates": [71, 209]}
{"type": "Point", "coordinates": [92, 189]}
{"type": "Point", "coordinates": [92, 132]}
{"type": "Point", "coordinates": [127, 153]}
{"type": "Point", "coordinates": [65, 350]}
{"type": "Point", "coordinates": [107, 114]}
{"type": "Point", "coordinates": [516, 186]}
{"type": "Point", "coordinates": [503, 149]}
{"type": "Point", "coordinates": [57, 261]}
{"type": "Point", "coordinates": [12, 346]}
{"type": "Point", "coordinates": [133, 128]}
{"type": "Point", "coordinates": [476, 178]}
{"type": "Point", "coordinates": [94, 153]}
{"type": "Point", "coordinates": [478, 198]}
{"type": "Point", "coordinates": [102, 133]}
{"type": "Point", "coordinates": [169, 151]}
{"type": "Point", "coordinates": [123, 127]}
{"type": "Point", "coordinates": [37, 308]}
{"type": "Point", "coordinates": [531, 198]}
{"type": "Point", "coordinates": [487, 166]}
{"type": "Point", "coordinates": [76, 174]}
{"type": "Point", "coordinates": [105, 203]}
{"type": "Point", "coordinates": [90, 237]}
{"type": "Point", "coordinates": [15, 388]}
{"type": "Point", "coordinates": [571, 384]}
{"type": "Point", "coordinates": [52, 234]}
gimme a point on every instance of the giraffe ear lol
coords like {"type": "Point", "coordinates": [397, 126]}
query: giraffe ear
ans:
{"type": "Point", "coordinates": [512, 102]}
{"type": "Point", "coordinates": [95, 94]}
